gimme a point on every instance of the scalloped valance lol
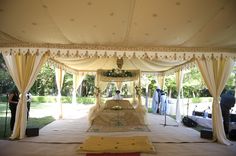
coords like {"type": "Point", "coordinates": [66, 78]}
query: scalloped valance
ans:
{"type": "Point", "coordinates": [144, 59]}
{"type": "Point", "coordinates": [170, 53]}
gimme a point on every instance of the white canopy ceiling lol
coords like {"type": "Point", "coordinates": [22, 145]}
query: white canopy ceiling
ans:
{"type": "Point", "coordinates": [93, 64]}
{"type": "Point", "coordinates": [107, 27]}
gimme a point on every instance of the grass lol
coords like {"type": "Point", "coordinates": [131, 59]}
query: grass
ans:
{"type": "Point", "coordinates": [37, 104]}
{"type": "Point", "coordinates": [3, 109]}
{"type": "Point", "coordinates": [53, 99]}
{"type": "Point", "coordinates": [33, 105]}
{"type": "Point", "coordinates": [32, 122]}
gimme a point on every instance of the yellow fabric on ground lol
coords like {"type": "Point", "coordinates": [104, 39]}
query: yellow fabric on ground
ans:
{"type": "Point", "coordinates": [105, 144]}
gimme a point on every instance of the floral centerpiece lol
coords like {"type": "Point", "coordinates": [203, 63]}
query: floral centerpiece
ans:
{"type": "Point", "coordinates": [116, 108]}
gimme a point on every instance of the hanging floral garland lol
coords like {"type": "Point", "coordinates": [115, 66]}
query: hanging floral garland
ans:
{"type": "Point", "coordinates": [118, 73]}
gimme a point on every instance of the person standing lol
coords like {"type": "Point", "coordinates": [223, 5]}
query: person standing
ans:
{"type": "Point", "coordinates": [13, 100]}
{"type": "Point", "coordinates": [227, 102]}
{"type": "Point", "coordinates": [163, 103]}
{"type": "Point", "coordinates": [156, 100]}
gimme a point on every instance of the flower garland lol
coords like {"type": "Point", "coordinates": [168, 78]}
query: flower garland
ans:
{"type": "Point", "coordinates": [118, 73]}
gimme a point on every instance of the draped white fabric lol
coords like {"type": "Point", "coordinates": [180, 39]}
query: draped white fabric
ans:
{"type": "Point", "coordinates": [179, 80]}
{"type": "Point", "coordinates": [140, 108]}
{"type": "Point", "coordinates": [101, 86]}
{"type": "Point", "coordinates": [215, 73]}
{"type": "Point", "coordinates": [77, 80]}
{"type": "Point", "coordinates": [161, 81]}
{"type": "Point", "coordinates": [96, 63]}
{"type": "Point", "coordinates": [119, 85]}
{"type": "Point", "coordinates": [59, 81]}
{"type": "Point", "coordinates": [23, 69]}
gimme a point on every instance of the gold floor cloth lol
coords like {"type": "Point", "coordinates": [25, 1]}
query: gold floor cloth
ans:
{"type": "Point", "coordinates": [106, 144]}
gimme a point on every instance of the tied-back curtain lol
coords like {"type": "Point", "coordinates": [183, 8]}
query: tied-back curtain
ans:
{"type": "Point", "coordinates": [77, 80]}
{"type": "Point", "coordinates": [179, 80]}
{"type": "Point", "coordinates": [103, 86]}
{"type": "Point", "coordinates": [59, 81]}
{"type": "Point", "coordinates": [215, 73]}
{"type": "Point", "coordinates": [161, 80]}
{"type": "Point", "coordinates": [23, 69]}
{"type": "Point", "coordinates": [140, 108]}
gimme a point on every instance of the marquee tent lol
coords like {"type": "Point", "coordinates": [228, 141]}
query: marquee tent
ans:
{"type": "Point", "coordinates": [150, 35]}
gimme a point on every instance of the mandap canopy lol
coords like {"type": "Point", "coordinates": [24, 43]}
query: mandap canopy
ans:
{"type": "Point", "coordinates": [151, 36]}
{"type": "Point", "coordinates": [118, 76]}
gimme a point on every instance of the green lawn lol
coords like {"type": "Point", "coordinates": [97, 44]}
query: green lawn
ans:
{"type": "Point", "coordinates": [32, 122]}
{"type": "Point", "coordinates": [3, 109]}
{"type": "Point", "coordinates": [33, 106]}
{"type": "Point", "coordinates": [35, 121]}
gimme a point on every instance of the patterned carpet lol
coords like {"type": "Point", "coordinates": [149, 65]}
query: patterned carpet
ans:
{"type": "Point", "coordinates": [140, 128]}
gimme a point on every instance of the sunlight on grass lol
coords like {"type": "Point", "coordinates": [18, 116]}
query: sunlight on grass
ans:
{"type": "Point", "coordinates": [32, 123]}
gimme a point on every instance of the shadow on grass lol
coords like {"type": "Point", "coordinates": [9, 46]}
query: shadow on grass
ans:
{"type": "Point", "coordinates": [5, 131]}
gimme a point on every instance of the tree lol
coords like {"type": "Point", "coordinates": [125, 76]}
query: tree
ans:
{"type": "Point", "coordinates": [192, 83]}
{"type": "Point", "coordinates": [45, 83]}
{"type": "Point", "coordinates": [88, 85]}
{"type": "Point", "coordinates": [170, 84]}
{"type": "Point", "coordinates": [6, 83]}
{"type": "Point", "coordinates": [67, 85]}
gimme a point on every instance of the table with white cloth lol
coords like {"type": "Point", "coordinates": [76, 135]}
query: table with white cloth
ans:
{"type": "Point", "coordinates": [118, 113]}
{"type": "Point", "coordinates": [205, 122]}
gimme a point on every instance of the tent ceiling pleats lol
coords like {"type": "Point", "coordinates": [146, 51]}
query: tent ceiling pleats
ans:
{"type": "Point", "coordinates": [126, 23]}
{"type": "Point", "coordinates": [153, 30]}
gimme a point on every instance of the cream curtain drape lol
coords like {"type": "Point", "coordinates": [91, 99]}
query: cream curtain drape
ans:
{"type": "Point", "coordinates": [103, 86]}
{"type": "Point", "coordinates": [161, 80]}
{"type": "Point", "coordinates": [59, 81]}
{"type": "Point", "coordinates": [140, 108]}
{"type": "Point", "coordinates": [77, 80]}
{"type": "Point", "coordinates": [100, 87]}
{"type": "Point", "coordinates": [118, 85]}
{"type": "Point", "coordinates": [179, 79]}
{"type": "Point", "coordinates": [215, 73]}
{"type": "Point", "coordinates": [23, 69]}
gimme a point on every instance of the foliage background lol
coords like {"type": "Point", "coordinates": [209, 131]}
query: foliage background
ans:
{"type": "Point", "coordinates": [45, 84]}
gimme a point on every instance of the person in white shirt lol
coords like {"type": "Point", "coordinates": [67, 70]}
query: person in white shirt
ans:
{"type": "Point", "coordinates": [117, 96]}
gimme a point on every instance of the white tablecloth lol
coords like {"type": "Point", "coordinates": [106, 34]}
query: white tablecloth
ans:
{"type": "Point", "coordinates": [205, 122]}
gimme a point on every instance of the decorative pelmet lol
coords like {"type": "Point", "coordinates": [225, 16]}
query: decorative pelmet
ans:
{"type": "Point", "coordinates": [108, 52]}
{"type": "Point", "coordinates": [160, 53]}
